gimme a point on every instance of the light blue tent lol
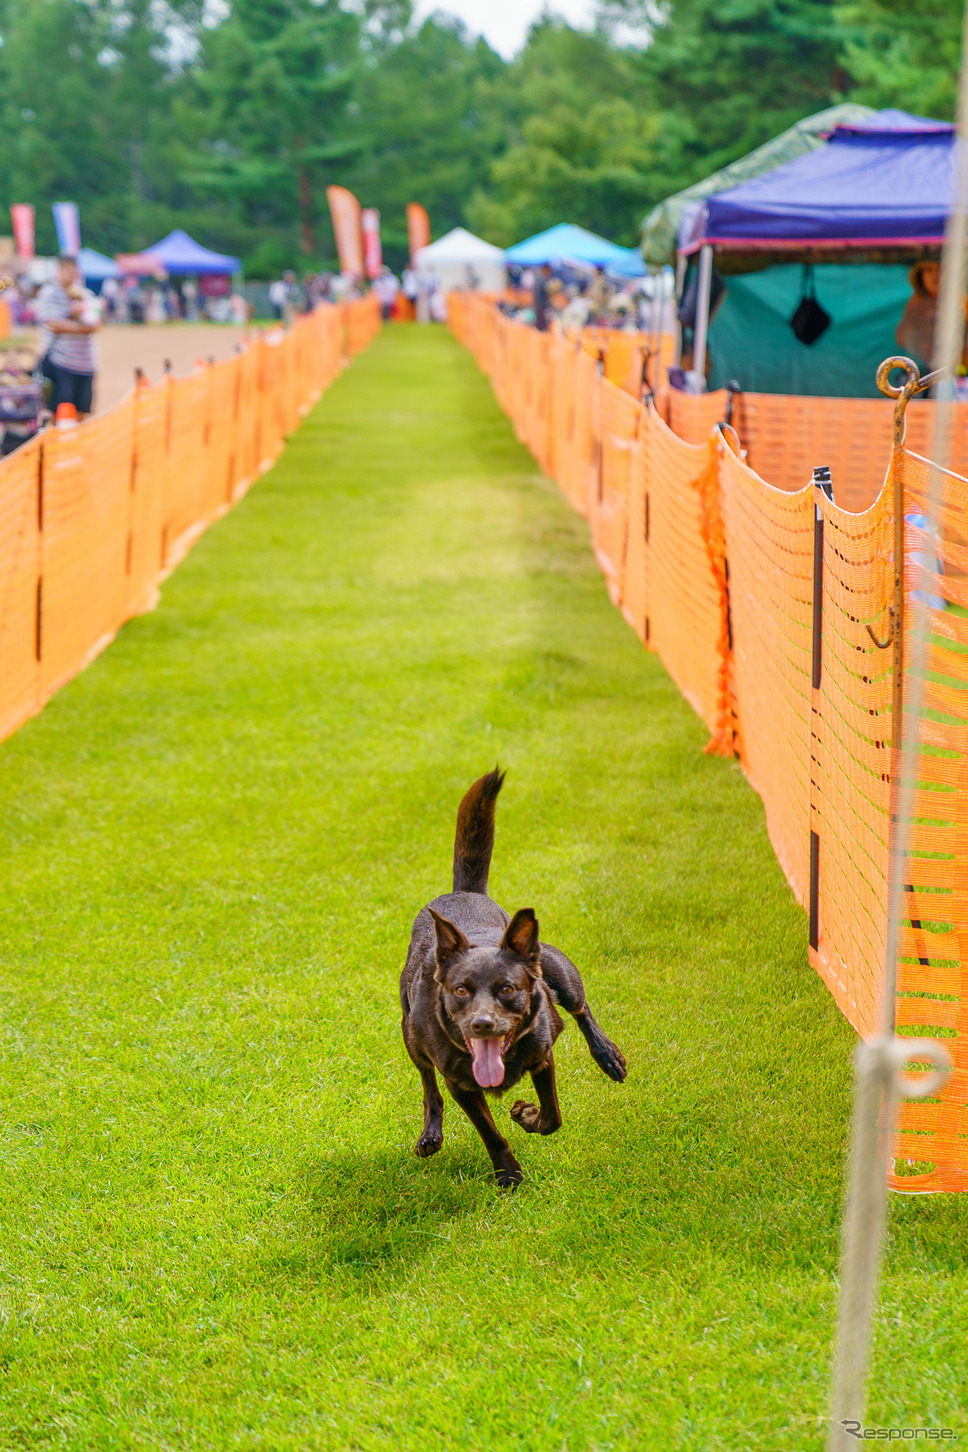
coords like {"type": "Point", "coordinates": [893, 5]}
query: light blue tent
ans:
{"type": "Point", "coordinates": [567, 243]}
{"type": "Point", "coordinates": [631, 265]}
{"type": "Point", "coordinates": [95, 267]}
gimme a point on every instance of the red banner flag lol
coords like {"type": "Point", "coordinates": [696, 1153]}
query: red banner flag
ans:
{"type": "Point", "coordinates": [372, 248]}
{"type": "Point", "coordinates": [418, 228]}
{"type": "Point", "coordinates": [345, 212]}
{"type": "Point", "coordinates": [22, 217]}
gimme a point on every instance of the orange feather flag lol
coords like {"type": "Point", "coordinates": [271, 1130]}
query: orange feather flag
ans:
{"type": "Point", "coordinates": [347, 225]}
{"type": "Point", "coordinates": [418, 228]}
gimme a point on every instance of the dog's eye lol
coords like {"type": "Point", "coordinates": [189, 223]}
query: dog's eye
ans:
{"type": "Point", "coordinates": [460, 992]}
{"type": "Point", "coordinates": [506, 988]}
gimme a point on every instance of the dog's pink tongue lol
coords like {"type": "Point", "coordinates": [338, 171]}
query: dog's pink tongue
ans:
{"type": "Point", "coordinates": [488, 1065]}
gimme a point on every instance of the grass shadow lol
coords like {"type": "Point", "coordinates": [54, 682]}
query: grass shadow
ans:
{"type": "Point", "coordinates": [379, 1213]}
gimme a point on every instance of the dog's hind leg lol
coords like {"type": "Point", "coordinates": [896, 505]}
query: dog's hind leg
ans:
{"type": "Point", "coordinates": [546, 1118]}
{"type": "Point", "coordinates": [564, 979]}
{"type": "Point", "coordinates": [506, 1168]}
{"type": "Point", "coordinates": [433, 1131]}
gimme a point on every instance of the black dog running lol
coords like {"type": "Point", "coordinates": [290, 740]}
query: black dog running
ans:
{"type": "Point", "coordinates": [480, 994]}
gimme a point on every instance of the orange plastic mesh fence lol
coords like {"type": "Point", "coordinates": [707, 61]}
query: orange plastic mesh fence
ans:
{"type": "Point", "coordinates": [769, 544]}
{"type": "Point", "coordinates": [574, 409]}
{"type": "Point", "coordinates": [785, 437]}
{"type": "Point", "coordinates": [850, 753]}
{"type": "Point", "coordinates": [19, 587]}
{"type": "Point", "coordinates": [670, 591]}
{"type": "Point", "coordinates": [714, 569]}
{"type": "Point", "coordinates": [92, 518]}
{"type": "Point", "coordinates": [618, 432]}
{"type": "Point", "coordinates": [631, 357]}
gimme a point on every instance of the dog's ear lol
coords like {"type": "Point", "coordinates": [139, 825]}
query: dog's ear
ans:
{"type": "Point", "coordinates": [521, 938]}
{"type": "Point", "coordinates": [450, 942]}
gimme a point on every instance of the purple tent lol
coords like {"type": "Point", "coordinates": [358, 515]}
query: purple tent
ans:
{"type": "Point", "coordinates": [181, 256]}
{"type": "Point", "coordinates": [883, 182]}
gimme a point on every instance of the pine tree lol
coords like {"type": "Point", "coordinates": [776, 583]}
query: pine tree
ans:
{"type": "Point", "coordinates": [277, 78]}
{"type": "Point", "coordinates": [87, 89]}
{"type": "Point", "coordinates": [584, 144]}
{"type": "Point", "coordinates": [432, 122]}
{"type": "Point", "coordinates": [904, 55]}
{"type": "Point", "coordinates": [729, 74]}
{"type": "Point", "coordinates": [56, 146]}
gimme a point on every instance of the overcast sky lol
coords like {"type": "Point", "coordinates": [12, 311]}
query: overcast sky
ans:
{"type": "Point", "coordinates": [504, 23]}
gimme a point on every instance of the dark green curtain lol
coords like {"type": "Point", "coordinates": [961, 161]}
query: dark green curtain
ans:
{"type": "Point", "coordinates": [751, 341]}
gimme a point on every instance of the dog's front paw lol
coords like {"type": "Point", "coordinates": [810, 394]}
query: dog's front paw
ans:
{"type": "Point", "coordinates": [610, 1060]}
{"type": "Point", "coordinates": [429, 1143]}
{"type": "Point", "coordinates": [527, 1115]}
{"type": "Point", "coordinates": [510, 1179]}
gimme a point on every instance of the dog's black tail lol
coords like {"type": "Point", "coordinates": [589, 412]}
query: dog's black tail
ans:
{"type": "Point", "coordinates": [475, 833]}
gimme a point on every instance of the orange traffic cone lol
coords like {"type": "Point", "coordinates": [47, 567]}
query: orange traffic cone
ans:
{"type": "Point", "coordinates": [66, 416]}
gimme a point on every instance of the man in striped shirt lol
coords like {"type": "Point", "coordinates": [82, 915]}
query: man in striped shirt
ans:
{"type": "Point", "coordinates": [67, 313]}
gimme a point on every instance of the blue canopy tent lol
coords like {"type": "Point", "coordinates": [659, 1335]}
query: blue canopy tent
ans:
{"type": "Point", "coordinates": [95, 267]}
{"type": "Point", "coordinates": [877, 193]}
{"type": "Point", "coordinates": [568, 243]}
{"type": "Point", "coordinates": [882, 182]}
{"type": "Point", "coordinates": [631, 265]}
{"type": "Point", "coordinates": [181, 256]}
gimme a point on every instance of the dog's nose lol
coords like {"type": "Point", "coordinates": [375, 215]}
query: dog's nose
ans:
{"type": "Point", "coordinates": [482, 1026]}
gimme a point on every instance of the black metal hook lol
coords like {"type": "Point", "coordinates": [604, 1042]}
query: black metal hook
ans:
{"type": "Point", "coordinates": [883, 644]}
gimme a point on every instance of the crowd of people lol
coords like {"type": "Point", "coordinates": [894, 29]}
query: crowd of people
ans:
{"type": "Point", "coordinates": [54, 376]}
{"type": "Point", "coordinates": [578, 299]}
{"type": "Point", "coordinates": [288, 297]}
{"type": "Point", "coordinates": [404, 297]}
{"type": "Point", "coordinates": [59, 371]}
{"type": "Point", "coordinates": [138, 300]}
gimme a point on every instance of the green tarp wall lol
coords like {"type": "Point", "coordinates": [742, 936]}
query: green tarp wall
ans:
{"type": "Point", "coordinates": [751, 341]}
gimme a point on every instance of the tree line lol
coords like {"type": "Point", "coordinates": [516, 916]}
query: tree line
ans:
{"type": "Point", "coordinates": [230, 117]}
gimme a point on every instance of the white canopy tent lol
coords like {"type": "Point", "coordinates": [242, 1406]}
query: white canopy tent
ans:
{"type": "Point", "coordinates": [460, 259]}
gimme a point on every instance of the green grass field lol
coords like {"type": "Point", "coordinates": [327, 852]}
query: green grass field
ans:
{"type": "Point", "coordinates": [215, 1233]}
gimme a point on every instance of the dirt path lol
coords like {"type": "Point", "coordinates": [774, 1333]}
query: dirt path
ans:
{"type": "Point", "coordinates": [125, 347]}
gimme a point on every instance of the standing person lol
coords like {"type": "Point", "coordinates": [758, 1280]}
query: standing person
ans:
{"type": "Point", "coordinates": [292, 296]}
{"type": "Point", "coordinates": [110, 292]}
{"type": "Point", "coordinates": [599, 294]}
{"type": "Point", "coordinates": [314, 291]}
{"type": "Point", "coordinates": [915, 331]}
{"type": "Point", "coordinates": [437, 303]}
{"type": "Point", "coordinates": [386, 288]}
{"type": "Point", "coordinates": [410, 287]}
{"type": "Point", "coordinates": [277, 298]}
{"type": "Point", "coordinates": [540, 298]}
{"type": "Point", "coordinates": [68, 317]}
{"type": "Point", "coordinates": [136, 301]}
{"type": "Point", "coordinates": [155, 311]}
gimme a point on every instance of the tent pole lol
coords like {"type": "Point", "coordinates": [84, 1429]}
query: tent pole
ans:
{"type": "Point", "coordinates": [702, 313]}
{"type": "Point", "coordinates": [680, 284]}
{"type": "Point", "coordinates": [655, 337]}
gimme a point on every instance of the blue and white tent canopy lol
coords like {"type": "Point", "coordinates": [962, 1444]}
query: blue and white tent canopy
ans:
{"type": "Point", "coordinates": [567, 243]}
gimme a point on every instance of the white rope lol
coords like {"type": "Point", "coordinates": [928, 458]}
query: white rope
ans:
{"type": "Point", "coordinates": [878, 1080]}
